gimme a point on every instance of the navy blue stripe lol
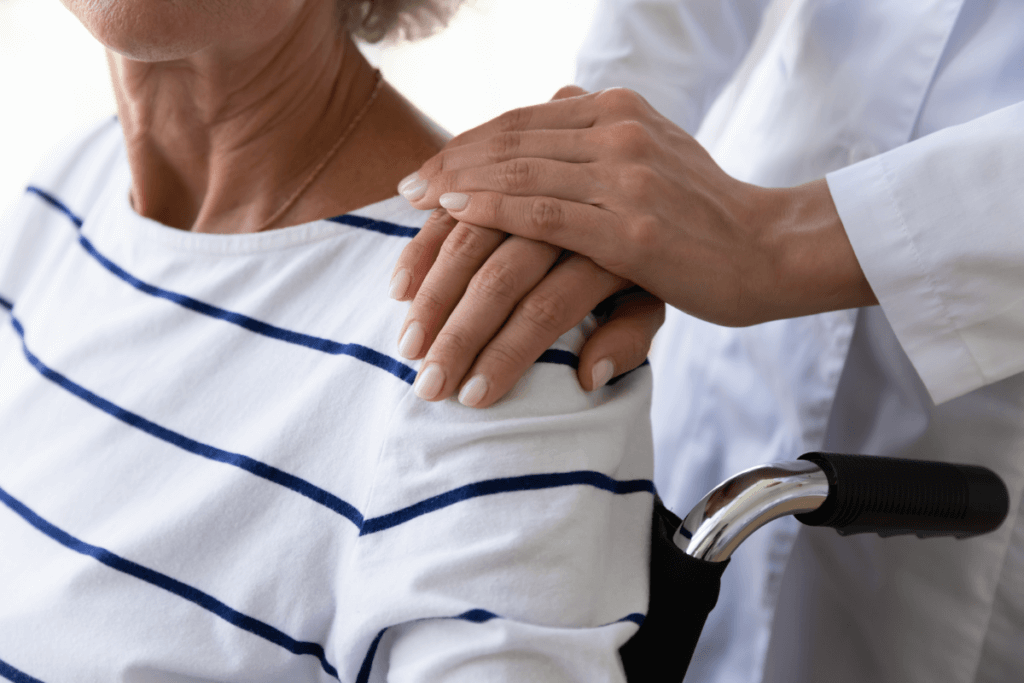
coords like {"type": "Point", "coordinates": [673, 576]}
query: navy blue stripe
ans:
{"type": "Point", "coordinates": [364, 670]}
{"type": "Point", "coordinates": [9, 305]}
{"type": "Point", "coordinates": [383, 227]}
{"type": "Point", "coordinates": [357, 351]}
{"type": "Point", "coordinates": [528, 482]}
{"type": "Point", "coordinates": [635, 617]}
{"type": "Point", "coordinates": [182, 590]}
{"type": "Point", "coordinates": [476, 616]}
{"type": "Point", "coordinates": [559, 357]}
{"type": "Point", "coordinates": [262, 470]}
{"type": "Point", "coordinates": [12, 674]}
{"type": "Point", "coordinates": [56, 203]}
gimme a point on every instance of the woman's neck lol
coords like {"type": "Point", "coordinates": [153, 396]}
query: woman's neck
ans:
{"type": "Point", "coordinates": [218, 141]}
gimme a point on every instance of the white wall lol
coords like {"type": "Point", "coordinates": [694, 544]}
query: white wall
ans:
{"type": "Point", "coordinates": [496, 55]}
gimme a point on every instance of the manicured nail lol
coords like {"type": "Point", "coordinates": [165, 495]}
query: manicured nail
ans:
{"type": "Point", "coordinates": [411, 341]}
{"type": "Point", "coordinates": [408, 180]}
{"type": "Point", "coordinates": [602, 372]}
{"type": "Point", "coordinates": [429, 382]}
{"type": "Point", "coordinates": [414, 190]}
{"type": "Point", "coordinates": [473, 392]}
{"type": "Point", "coordinates": [400, 284]}
{"type": "Point", "coordinates": [454, 201]}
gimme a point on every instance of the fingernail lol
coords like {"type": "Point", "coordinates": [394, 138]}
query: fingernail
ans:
{"type": "Point", "coordinates": [454, 201]}
{"type": "Point", "coordinates": [473, 392]}
{"type": "Point", "coordinates": [411, 341]}
{"type": "Point", "coordinates": [414, 190]}
{"type": "Point", "coordinates": [400, 284]}
{"type": "Point", "coordinates": [407, 180]}
{"type": "Point", "coordinates": [602, 372]}
{"type": "Point", "coordinates": [429, 382]}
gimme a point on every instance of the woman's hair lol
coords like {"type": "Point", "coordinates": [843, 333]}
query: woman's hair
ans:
{"type": "Point", "coordinates": [373, 20]}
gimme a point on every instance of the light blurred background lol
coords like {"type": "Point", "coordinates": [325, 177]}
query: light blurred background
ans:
{"type": "Point", "coordinates": [495, 55]}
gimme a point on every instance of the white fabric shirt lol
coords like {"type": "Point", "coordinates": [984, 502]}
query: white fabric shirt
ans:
{"type": "Point", "coordinates": [211, 469]}
{"type": "Point", "coordinates": [922, 102]}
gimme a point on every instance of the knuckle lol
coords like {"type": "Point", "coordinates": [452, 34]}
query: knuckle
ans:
{"type": "Point", "coordinates": [434, 166]}
{"type": "Point", "coordinates": [429, 305]}
{"type": "Point", "coordinates": [644, 232]}
{"type": "Point", "coordinates": [515, 176]}
{"type": "Point", "coordinates": [453, 344]}
{"type": "Point", "coordinates": [465, 243]}
{"type": "Point", "coordinates": [630, 138]}
{"type": "Point", "coordinates": [442, 218]}
{"type": "Point", "coordinates": [495, 281]}
{"type": "Point", "coordinates": [569, 91]}
{"type": "Point", "coordinates": [637, 181]}
{"type": "Point", "coordinates": [550, 312]}
{"type": "Point", "coordinates": [545, 214]}
{"type": "Point", "coordinates": [513, 120]}
{"type": "Point", "coordinates": [413, 255]}
{"type": "Point", "coordinates": [505, 358]}
{"type": "Point", "coordinates": [622, 102]}
{"type": "Point", "coordinates": [504, 145]}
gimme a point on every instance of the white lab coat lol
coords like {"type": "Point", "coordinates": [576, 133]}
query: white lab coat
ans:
{"type": "Point", "coordinates": [922, 102]}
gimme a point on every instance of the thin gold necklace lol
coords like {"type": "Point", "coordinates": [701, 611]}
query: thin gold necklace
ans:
{"type": "Point", "coordinates": [290, 202]}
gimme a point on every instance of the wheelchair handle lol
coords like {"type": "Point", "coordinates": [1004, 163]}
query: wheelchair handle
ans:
{"type": "Point", "coordinates": [851, 493]}
{"type": "Point", "coordinates": [893, 496]}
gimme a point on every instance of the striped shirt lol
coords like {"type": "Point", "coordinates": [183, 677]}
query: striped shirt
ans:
{"type": "Point", "coordinates": [212, 468]}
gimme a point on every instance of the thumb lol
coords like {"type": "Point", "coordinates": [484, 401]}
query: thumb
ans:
{"type": "Point", "coordinates": [622, 343]}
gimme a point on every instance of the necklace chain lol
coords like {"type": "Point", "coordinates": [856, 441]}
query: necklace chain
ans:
{"type": "Point", "coordinates": [315, 173]}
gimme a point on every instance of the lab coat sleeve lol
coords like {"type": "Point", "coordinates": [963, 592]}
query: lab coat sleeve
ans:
{"type": "Point", "coordinates": [678, 54]}
{"type": "Point", "coordinates": [937, 228]}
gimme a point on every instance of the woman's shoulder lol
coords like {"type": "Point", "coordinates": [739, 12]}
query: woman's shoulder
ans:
{"type": "Point", "coordinates": [80, 165]}
{"type": "Point", "coordinates": [547, 424]}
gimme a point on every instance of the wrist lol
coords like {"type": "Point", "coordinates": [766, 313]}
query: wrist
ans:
{"type": "Point", "coordinates": [812, 267]}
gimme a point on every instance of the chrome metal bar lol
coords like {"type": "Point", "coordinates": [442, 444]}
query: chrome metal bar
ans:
{"type": "Point", "coordinates": [744, 503]}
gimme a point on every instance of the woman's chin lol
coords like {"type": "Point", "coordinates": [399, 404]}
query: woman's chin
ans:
{"type": "Point", "coordinates": [151, 30]}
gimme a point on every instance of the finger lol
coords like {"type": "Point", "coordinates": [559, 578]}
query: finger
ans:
{"type": "Point", "coordinates": [426, 185]}
{"type": "Point", "coordinates": [493, 293]}
{"type": "Point", "coordinates": [466, 248]}
{"type": "Point", "coordinates": [582, 228]}
{"type": "Point", "coordinates": [563, 299]}
{"type": "Point", "coordinates": [419, 255]}
{"type": "Point", "coordinates": [623, 342]}
{"type": "Point", "coordinates": [567, 91]}
{"type": "Point", "coordinates": [566, 110]}
{"type": "Point", "coordinates": [559, 114]}
{"type": "Point", "coordinates": [523, 178]}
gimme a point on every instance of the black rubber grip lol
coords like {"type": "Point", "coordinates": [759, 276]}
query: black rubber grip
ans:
{"type": "Point", "coordinates": [893, 496]}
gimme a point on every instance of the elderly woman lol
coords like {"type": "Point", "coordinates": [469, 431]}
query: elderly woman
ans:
{"type": "Point", "coordinates": [210, 467]}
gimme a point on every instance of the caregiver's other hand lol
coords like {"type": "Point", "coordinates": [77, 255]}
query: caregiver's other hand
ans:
{"type": "Point", "coordinates": [606, 176]}
{"type": "Point", "coordinates": [486, 306]}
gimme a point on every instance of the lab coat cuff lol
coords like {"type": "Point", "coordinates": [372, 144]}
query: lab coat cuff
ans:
{"type": "Point", "coordinates": [865, 197]}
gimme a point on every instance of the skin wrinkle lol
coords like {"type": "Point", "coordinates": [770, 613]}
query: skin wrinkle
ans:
{"type": "Point", "coordinates": [226, 106]}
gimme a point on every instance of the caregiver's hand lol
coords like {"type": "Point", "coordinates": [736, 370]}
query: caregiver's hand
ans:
{"type": "Point", "coordinates": [604, 175]}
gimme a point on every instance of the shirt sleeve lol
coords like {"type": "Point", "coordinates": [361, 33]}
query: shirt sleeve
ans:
{"type": "Point", "coordinates": [524, 553]}
{"type": "Point", "coordinates": [936, 227]}
{"type": "Point", "coordinates": [678, 54]}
